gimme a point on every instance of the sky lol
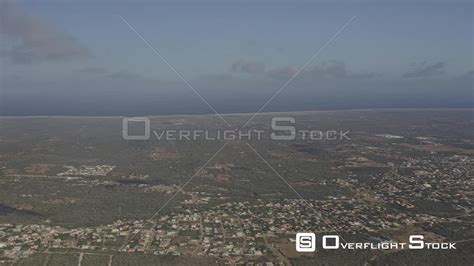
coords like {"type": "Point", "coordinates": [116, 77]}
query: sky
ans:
{"type": "Point", "coordinates": [81, 57]}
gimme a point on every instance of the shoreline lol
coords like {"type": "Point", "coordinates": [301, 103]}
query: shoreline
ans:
{"type": "Point", "coordinates": [250, 114]}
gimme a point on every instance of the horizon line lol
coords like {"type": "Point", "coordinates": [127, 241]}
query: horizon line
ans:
{"type": "Point", "coordinates": [248, 113]}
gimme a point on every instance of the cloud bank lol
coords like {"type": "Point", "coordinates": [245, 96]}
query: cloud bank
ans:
{"type": "Point", "coordinates": [426, 70]}
{"type": "Point", "coordinates": [248, 67]}
{"type": "Point", "coordinates": [326, 70]}
{"type": "Point", "coordinates": [31, 40]}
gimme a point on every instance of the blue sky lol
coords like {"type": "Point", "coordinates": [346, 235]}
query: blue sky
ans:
{"type": "Point", "coordinates": [263, 40]}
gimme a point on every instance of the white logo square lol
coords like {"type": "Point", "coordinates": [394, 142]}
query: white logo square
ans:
{"type": "Point", "coordinates": [336, 242]}
{"type": "Point", "coordinates": [305, 242]}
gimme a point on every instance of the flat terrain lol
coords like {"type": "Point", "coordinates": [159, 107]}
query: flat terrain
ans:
{"type": "Point", "coordinates": [72, 190]}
